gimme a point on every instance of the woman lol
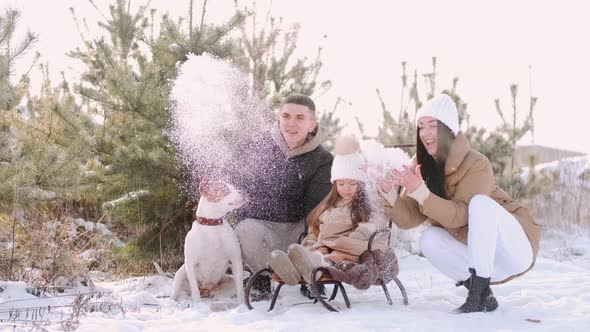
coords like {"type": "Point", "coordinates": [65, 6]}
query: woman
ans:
{"type": "Point", "coordinates": [479, 234]}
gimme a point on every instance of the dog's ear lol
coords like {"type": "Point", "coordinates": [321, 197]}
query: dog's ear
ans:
{"type": "Point", "coordinates": [213, 190]}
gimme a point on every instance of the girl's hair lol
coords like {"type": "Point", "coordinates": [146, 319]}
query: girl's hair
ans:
{"type": "Point", "coordinates": [433, 170]}
{"type": "Point", "coordinates": [360, 208]}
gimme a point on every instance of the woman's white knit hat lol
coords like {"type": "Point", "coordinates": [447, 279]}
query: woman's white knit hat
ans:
{"type": "Point", "coordinates": [442, 108]}
{"type": "Point", "coordinates": [348, 163]}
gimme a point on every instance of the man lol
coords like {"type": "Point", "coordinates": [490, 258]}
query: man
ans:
{"type": "Point", "coordinates": [289, 180]}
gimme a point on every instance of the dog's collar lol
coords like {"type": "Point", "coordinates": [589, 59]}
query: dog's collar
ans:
{"type": "Point", "coordinates": [209, 222]}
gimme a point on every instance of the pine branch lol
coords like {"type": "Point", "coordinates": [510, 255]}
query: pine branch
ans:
{"type": "Point", "coordinates": [500, 113]}
{"type": "Point", "coordinates": [404, 78]}
{"type": "Point", "coordinates": [381, 102]}
{"type": "Point", "coordinates": [8, 25]}
{"type": "Point", "coordinates": [84, 40]}
{"type": "Point", "coordinates": [85, 92]}
{"type": "Point", "coordinates": [202, 14]}
{"type": "Point", "coordinates": [14, 205]}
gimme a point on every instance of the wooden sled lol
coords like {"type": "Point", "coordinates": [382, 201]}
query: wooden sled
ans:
{"type": "Point", "coordinates": [326, 279]}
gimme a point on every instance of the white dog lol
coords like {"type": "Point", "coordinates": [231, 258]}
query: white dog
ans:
{"type": "Point", "coordinates": [211, 244]}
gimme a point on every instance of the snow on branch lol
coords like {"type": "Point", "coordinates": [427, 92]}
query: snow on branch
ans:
{"type": "Point", "coordinates": [127, 198]}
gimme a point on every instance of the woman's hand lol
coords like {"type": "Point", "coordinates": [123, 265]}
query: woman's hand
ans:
{"type": "Point", "coordinates": [386, 184]}
{"type": "Point", "coordinates": [407, 178]}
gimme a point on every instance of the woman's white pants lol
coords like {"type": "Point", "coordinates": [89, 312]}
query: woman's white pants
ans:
{"type": "Point", "coordinates": [497, 246]}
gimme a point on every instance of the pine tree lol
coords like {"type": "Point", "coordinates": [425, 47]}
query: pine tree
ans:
{"type": "Point", "coordinates": [500, 146]}
{"type": "Point", "coordinates": [267, 55]}
{"type": "Point", "coordinates": [331, 124]}
{"type": "Point", "coordinates": [10, 97]}
{"type": "Point", "coordinates": [42, 151]}
{"type": "Point", "coordinates": [402, 130]}
{"type": "Point", "coordinates": [110, 151]}
{"type": "Point", "coordinates": [55, 137]}
{"type": "Point", "coordinates": [140, 181]}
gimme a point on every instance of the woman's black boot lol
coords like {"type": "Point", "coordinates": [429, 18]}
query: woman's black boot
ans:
{"type": "Point", "coordinates": [480, 297]}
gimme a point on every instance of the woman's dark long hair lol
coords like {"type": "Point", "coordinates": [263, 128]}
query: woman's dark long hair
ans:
{"type": "Point", "coordinates": [433, 170]}
{"type": "Point", "coordinates": [360, 208]}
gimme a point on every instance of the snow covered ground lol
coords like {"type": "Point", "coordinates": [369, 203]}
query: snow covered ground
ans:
{"type": "Point", "coordinates": [555, 296]}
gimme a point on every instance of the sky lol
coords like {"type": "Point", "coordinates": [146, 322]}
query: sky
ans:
{"type": "Point", "coordinates": [535, 44]}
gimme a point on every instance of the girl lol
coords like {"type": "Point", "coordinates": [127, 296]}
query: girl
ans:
{"type": "Point", "coordinates": [340, 226]}
{"type": "Point", "coordinates": [479, 234]}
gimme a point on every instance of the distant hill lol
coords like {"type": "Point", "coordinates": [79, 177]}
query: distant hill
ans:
{"type": "Point", "coordinates": [542, 154]}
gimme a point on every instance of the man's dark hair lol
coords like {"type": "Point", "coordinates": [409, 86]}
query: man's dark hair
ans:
{"type": "Point", "coordinates": [302, 100]}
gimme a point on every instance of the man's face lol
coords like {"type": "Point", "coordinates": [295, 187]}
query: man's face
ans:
{"type": "Point", "coordinates": [295, 122]}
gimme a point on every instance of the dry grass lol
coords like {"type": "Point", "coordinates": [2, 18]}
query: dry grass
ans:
{"type": "Point", "coordinates": [49, 251]}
